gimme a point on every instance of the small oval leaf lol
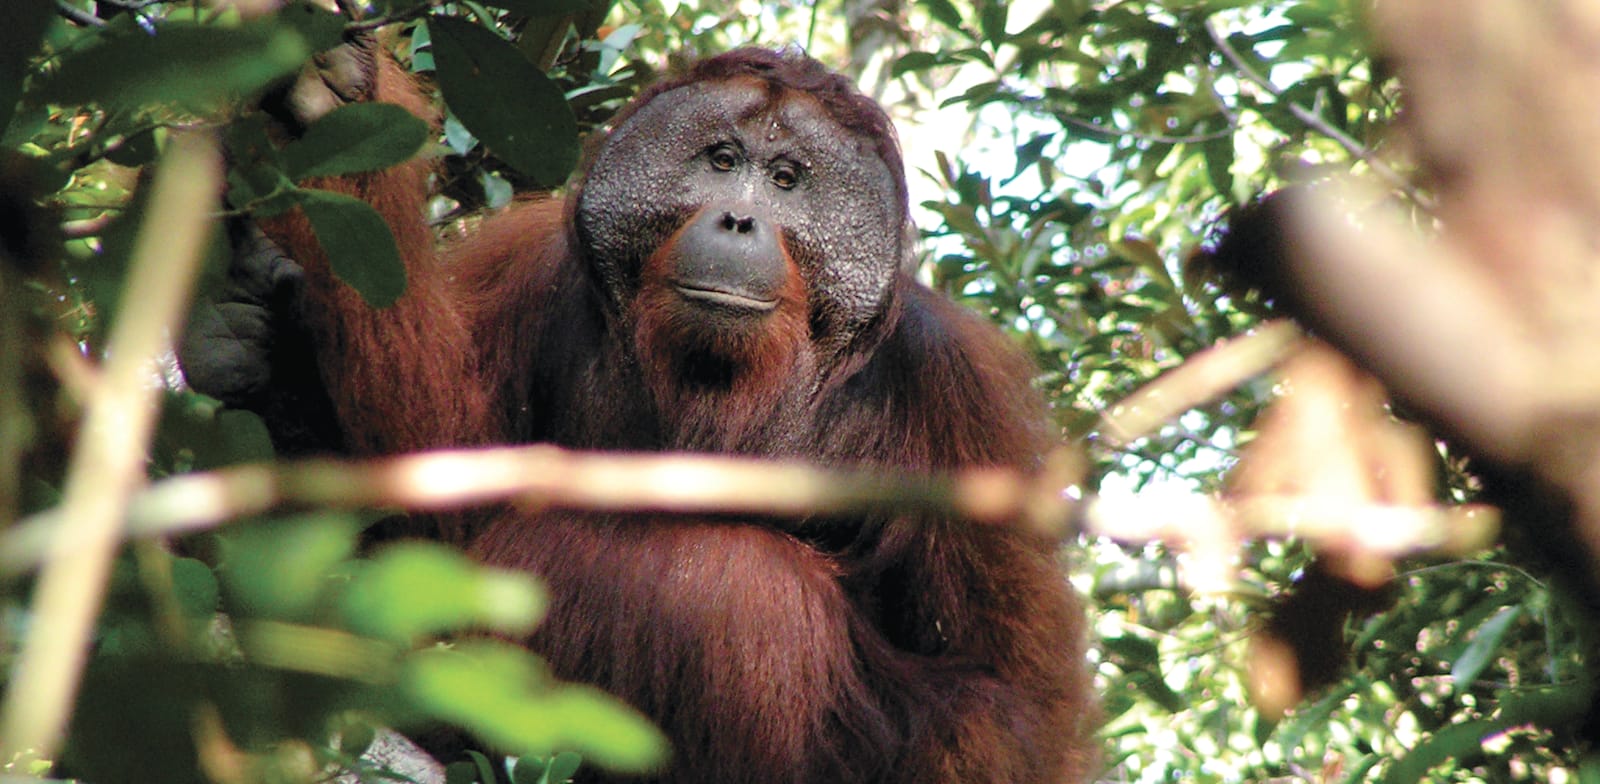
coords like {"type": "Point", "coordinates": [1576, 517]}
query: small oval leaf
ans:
{"type": "Point", "coordinates": [360, 247]}
{"type": "Point", "coordinates": [355, 138]}
{"type": "Point", "coordinates": [563, 767]}
{"type": "Point", "coordinates": [509, 104]}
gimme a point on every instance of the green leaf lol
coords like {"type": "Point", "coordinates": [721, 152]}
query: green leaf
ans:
{"type": "Point", "coordinates": [195, 587]}
{"type": "Point", "coordinates": [414, 589]}
{"type": "Point", "coordinates": [992, 19]}
{"type": "Point", "coordinates": [1133, 652]}
{"type": "Point", "coordinates": [355, 734]}
{"type": "Point", "coordinates": [529, 770]}
{"type": "Point", "coordinates": [132, 69]}
{"type": "Point", "coordinates": [137, 149]}
{"type": "Point", "coordinates": [1030, 153]}
{"type": "Point", "coordinates": [1546, 706]}
{"type": "Point", "coordinates": [945, 12]}
{"type": "Point", "coordinates": [355, 138]}
{"type": "Point", "coordinates": [461, 772]}
{"type": "Point", "coordinates": [1452, 742]}
{"type": "Point", "coordinates": [321, 28]}
{"type": "Point", "coordinates": [509, 104]}
{"type": "Point", "coordinates": [360, 247]}
{"type": "Point", "coordinates": [1219, 164]}
{"type": "Point", "coordinates": [1485, 642]}
{"type": "Point", "coordinates": [563, 767]}
{"type": "Point", "coordinates": [1589, 769]}
{"type": "Point", "coordinates": [915, 61]}
{"type": "Point", "coordinates": [503, 694]}
{"type": "Point", "coordinates": [484, 766]}
{"type": "Point", "coordinates": [280, 569]}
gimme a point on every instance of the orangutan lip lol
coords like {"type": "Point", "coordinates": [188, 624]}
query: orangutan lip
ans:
{"type": "Point", "coordinates": [726, 299]}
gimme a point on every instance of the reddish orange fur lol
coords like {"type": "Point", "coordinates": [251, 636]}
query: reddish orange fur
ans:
{"type": "Point", "coordinates": [908, 649]}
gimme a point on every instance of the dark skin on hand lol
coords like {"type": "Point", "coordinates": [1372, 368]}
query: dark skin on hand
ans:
{"type": "Point", "coordinates": [730, 274]}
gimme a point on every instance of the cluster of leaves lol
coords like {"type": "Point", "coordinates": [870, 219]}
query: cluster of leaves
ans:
{"type": "Point", "coordinates": [1127, 131]}
{"type": "Point", "coordinates": [271, 650]}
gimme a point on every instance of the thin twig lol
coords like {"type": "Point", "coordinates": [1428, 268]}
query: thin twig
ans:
{"type": "Point", "coordinates": [1144, 135]}
{"type": "Point", "coordinates": [368, 25]}
{"type": "Point", "coordinates": [108, 460]}
{"type": "Point", "coordinates": [77, 15]}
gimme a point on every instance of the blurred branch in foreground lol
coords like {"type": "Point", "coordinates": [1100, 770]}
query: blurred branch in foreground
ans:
{"type": "Point", "coordinates": [680, 484]}
{"type": "Point", "coordinates": [108, 460]}
{"type": "Point", "coordinates": [1488, 331]}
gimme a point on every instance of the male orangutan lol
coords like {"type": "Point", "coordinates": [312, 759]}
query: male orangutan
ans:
{"type": "Point", "coordinates": [730, 274]}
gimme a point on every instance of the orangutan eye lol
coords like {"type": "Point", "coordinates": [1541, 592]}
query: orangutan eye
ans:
{"type": "Point", "coordinates": [784, 176]}
{"type": "Point", "coordinates": [724, 157]}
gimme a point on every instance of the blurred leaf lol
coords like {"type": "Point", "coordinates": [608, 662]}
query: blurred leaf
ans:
{"type": "Point", "coordinates": [355, 138]}
{"type": "Point", "coordinates": [915, 61]}
{"type": "Point", "coordinates": [1456, 741]}
{"type": "Point", "coordinates": [133, 723]}
{"type": "Point", "coordinates": [1485, 643]}
{"type": "Point", "coordinates": [461, 772]}
{"type": "Point", "coordinates": [502, 694]}
{"type": "Point", "coordinates": [1030, 153]}
{"type": "Point", "coordinates": [195, 587]}
{"type": "Point", "coordinates": [321, 28]}
{"type": "Point", "coordinates": [485, 768]}
{"type": "Point", "coordinates": [1219, 165]}
{"type": "Point", "coordinates": [945, 12]}
{"type": "Point", "coordinates": [281, 569]}
{"type": "Point", "coordinates": [992, 20]}
{"type": "Point", "coordinates": [359, 245]}
{"type": "Point", "coordinates": [213, 435]}
{"type": "Point", "coordinates": [529, 770]}
{"type": "Point", "coordinates": [1547, 706]}
{"type": "Point", "coordinates": [505, 101]}
{"type": "Point", "coordinates": [355, 734]}
{"type": "Point", "coordinates": [563, 767]}
{"type": "Point", "coordinates": [497, 192]}
{"type": "Point", "coordinates": [132, 69]}
{"type": "Point", "coordinates": [137, 149]}
{"type": "Point", "coordinates": [412, 590]}
{"type": "Point", "coordinates": [457, 137]}
{"type": "Point", "coordinates": [1133, 652]}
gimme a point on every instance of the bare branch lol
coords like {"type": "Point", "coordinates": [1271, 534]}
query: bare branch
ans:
{"type": "Point", "coordinates": [780, 492]}
{"type": "Point", "coordinates": [1204, 377]}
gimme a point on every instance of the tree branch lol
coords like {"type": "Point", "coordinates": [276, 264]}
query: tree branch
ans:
{"type": "Point", "coordinates": [782, 493]}
{"type": "Point", "coordinates": [108, 460]}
